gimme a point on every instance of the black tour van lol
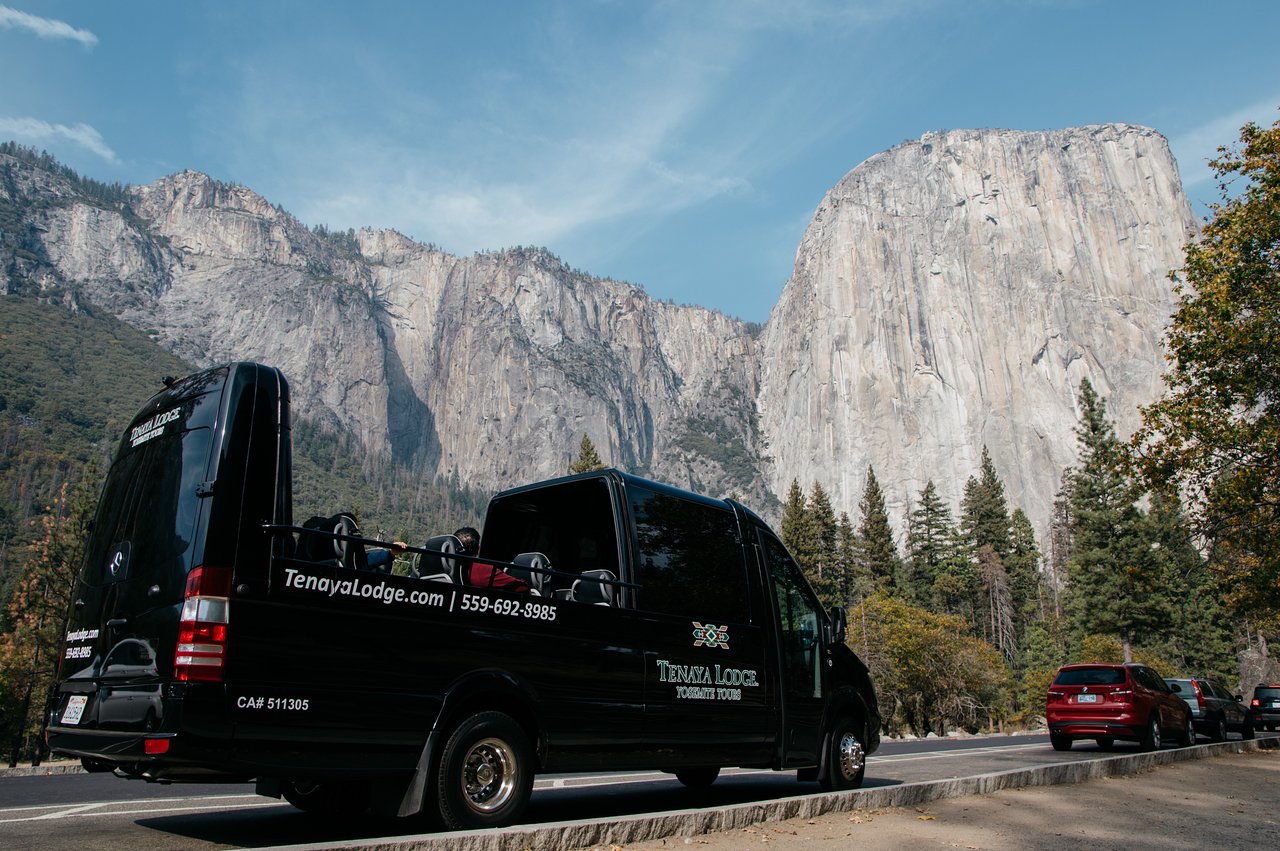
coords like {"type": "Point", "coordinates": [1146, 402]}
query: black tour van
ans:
{"type": "Point", "coordinates": [211, 638]}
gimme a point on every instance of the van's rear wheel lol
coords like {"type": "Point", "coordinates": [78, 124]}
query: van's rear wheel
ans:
{"type": "Point", "coordinates": [846, 756]}
{"type": "Point", "coordinates": [698, 778]}
{"type": "Point", "coordinates": [486, 772]}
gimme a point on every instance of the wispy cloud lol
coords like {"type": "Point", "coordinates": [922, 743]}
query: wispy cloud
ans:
{"type": "Point", "coordinates": [38, 132]}
{"type": "Point", "coordinates": [1196, 146]}
{"type": "Point", "coordinates": [44, 27]}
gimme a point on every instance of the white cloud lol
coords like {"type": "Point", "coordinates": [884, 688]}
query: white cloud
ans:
{"type": "Point", "coordinates": [44, 27]}
{"type": "Point", "coordinates": [1196, 146]}
{"type": "Point", "coordinates": [35, 131]}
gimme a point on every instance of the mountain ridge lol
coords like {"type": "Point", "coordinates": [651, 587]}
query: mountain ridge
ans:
{"type": "Point", "coordinates": [490, 367]}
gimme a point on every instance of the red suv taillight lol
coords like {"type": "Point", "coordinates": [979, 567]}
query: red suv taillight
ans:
{"type": "Point", "coordinates": [1199, 695]}
{"type": "Point", "coordinates": [1255, 702]}
{"type": "Point", "coordinates": [1056, 696]}
{"type": "Point", "coordinates": [1122, 696]}
{"type": "Point", "coordinates": [202, 631]}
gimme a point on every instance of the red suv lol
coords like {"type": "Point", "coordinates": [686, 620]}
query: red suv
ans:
{"type": "Point", "coordinates": [1108, 702]}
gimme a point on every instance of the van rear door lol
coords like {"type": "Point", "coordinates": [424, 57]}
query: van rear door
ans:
{"type": "Point", "coordinates": [122, 626]}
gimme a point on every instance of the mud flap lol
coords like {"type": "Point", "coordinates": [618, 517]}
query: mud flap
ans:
{"type": "Point", "coordinates": [415, 795]}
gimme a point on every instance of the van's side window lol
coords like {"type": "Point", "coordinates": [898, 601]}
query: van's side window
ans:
{"type": "Point", "coordinates": [689, 558]}
{"type": "Point", "coordinates": [798, 622]}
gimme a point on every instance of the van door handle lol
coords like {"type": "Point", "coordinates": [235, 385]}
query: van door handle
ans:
{"type": "Point", "coordinates": [115, 622]}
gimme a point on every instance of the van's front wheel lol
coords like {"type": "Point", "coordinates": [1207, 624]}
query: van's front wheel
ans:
{"type": "Point", "coordinates": [846, 757]}
{"type": "Point", "coordinates": [486, 772]}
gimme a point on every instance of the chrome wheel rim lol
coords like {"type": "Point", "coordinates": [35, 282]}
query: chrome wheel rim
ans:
{"type": "Point", "coordinates": [852, 756]}
{"type": "Point", "coordinates": [1155, 734]}
{"type": "Point", "coordinates": [489, 775]}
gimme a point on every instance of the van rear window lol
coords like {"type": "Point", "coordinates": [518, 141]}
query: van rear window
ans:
{"type": "Point", "coordinates": [1090, 677]}
{"type": "Point", "coordinates": [148, 508]}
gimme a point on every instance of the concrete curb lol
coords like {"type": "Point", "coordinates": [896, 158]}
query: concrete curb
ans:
{"type": "Point", "coordinates": [42, 770]}
{"type": "Point", "coordinates": [640, 828]}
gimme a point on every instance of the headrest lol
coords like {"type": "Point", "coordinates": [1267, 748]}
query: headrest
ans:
{"type": "Point", "coordinates": [436, 561]}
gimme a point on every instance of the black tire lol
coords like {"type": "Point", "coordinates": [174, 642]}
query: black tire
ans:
{"type": "Point", "coordinates": [1151, 740]}
{"type": "Point", "coordinates": [1060, 741]}
{"type": "Point", "coordinates": [1187, 735]}
{"type": "Point", "coordinates": [846, 756]}
{"type": "Point", "coordinates": [333, 800]}
{"type": "Point", "coordinates": [485, 773]}
{"type": "Point", "coordinates": [1105, 742]}
{"type": "Point", "coordinates": [1219, 733]}
{"type": "Point", "coordinates": [1246, 731]}
{"type": "Point", "coordinates": [698, 778]}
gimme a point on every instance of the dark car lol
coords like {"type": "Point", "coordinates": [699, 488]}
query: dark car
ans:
{"type": "Point", "coordinates": [1264, 709]}
{"type": "Point", "coordinates": [1106, 702]}
{"type": "Point", "coordinates": [1214, 710]}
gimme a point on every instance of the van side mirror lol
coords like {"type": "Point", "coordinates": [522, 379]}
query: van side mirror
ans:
{"type": "Point", "coordinates": [839, 624]}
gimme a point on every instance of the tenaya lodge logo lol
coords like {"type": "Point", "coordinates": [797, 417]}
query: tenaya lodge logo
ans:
{"type": "Point", "coordinates": [710, 635]}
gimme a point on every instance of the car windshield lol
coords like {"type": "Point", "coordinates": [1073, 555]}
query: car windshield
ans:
{"type": "Point", "coordinates": [1185, 685]}
{"type": "Point", "coordinates": [1267, 693]}
{"type": "Point", "coordinates": [1090, 677]}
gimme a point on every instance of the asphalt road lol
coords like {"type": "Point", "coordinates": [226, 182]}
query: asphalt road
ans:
{"type": "Point", "coordinates": [72, 811]}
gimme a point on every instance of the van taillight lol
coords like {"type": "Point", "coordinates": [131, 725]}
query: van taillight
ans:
{"type": "Point", "coordinates": [202, 629]}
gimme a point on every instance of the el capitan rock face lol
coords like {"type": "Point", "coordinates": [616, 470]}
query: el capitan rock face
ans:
{"type": "Point", "coordinates": [952, 292]}
{"type": "Point", "coordinates": [949, 293]}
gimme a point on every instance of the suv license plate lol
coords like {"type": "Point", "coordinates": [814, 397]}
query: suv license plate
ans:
{"type": "Point", "coordinates": [1086, 698]}
{"type": "Point", "coordinates": [75, 708]}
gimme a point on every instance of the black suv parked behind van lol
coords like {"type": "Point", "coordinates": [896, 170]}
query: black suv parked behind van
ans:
{"type": "Point", "coordinates": [1214, 710]}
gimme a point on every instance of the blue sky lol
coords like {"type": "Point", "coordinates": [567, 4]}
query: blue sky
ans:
{"type": "Point", "coordinates": [682, 146]}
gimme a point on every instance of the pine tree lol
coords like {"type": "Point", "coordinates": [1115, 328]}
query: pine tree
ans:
{"type": "Point", "coordinates": [857, 585]}
{"type": "Point", "coordinates": [824, 572]}
{"type": "Point", "coordinates": [588, 459]}
{"type": "Point", "coordinates": [795, 529]}
{"type": "Point", "coordinates": [984, 510]}
{"type": "Point", "coordinates": [877, 553]}
{"type": "Point", "coordinates": [929, 530]}
{"type": "Point", "coordinates": [1199, 635]}
{"type": "Point", "coordinates": [1022, 564]}
{"type": "Point", "coordinates": [1113, 585]}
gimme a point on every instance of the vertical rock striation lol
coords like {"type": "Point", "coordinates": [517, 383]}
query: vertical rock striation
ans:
{"type": "Point", "coordinates": [952, 292]}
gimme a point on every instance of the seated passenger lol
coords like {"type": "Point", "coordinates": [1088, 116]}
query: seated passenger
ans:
{"type": "Point", "coordinates": [479, 573]}
{"type": "Point", "coordinates": [380, 560]}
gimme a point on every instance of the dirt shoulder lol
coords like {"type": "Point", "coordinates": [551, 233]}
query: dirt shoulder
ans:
{"type": "Point", "coordinates": [1231, 801]}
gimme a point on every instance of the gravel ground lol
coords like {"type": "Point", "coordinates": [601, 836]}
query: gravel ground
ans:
{"type": "Point", "coordinates": [1230, 801]}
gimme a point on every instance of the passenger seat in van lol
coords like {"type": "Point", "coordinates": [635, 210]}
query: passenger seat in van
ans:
{"type": "Point", "coordinates": [527, 567]}
{"type": "Point", "coordinates": [436, 564]}
{"type": "Point", "coordinates": [594, 588]}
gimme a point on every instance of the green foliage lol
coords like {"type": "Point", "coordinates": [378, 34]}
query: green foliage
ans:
{"type": "Point", "coordinates": [984, 512]}
{"type": "Point", "coordinates": [877, 553]}
{"type": "Point", "coordinates": [69, 382]}
{"type": "Point", "coordinates": [1215, 433]}
{"type": "Point", "coordinates": [931, 674]}
{"type": "Point", "coordinates": [713, 438]}
{"type": "Point", "coordinates": [929, 531]}
{"type": "Point", "coordinates": [588, 459]}
{"type": "Point", "coordinates": [37, 611]}
{"type": "Point", "coordinates": [1114, 585]}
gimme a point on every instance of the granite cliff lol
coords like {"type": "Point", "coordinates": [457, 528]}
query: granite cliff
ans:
{"type": "Point", "coordinates": [949, 293]}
